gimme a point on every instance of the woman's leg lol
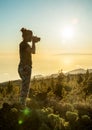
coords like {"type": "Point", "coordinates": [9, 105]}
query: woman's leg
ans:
{"type": "Point", "coordinates": [25, 74]}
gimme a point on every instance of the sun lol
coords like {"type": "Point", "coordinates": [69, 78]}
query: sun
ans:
{"type": "Point", "coordinates": [68, 32]}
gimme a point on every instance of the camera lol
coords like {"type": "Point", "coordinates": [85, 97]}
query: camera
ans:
{"type": "Point", "coordinates": [36, 39]}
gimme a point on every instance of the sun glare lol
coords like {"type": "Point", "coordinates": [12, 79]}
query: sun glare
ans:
{"type": "Point", "coordinates": [67, 61]}
{"type": "Point", "coordinates": [68, 32]}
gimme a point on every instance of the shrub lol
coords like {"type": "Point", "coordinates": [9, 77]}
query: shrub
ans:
{"type": "Point", "coordinates": [58, 90]}
{"type": "Point", "coordinates": [80, 79]}
{"type": "Point", "coordinates": [14, 110]}
{"type": "Point", "coordinates": [47, 110]}
{"type": "Point", "coordinates": [67, 88]}
{"type": "Point", "coordinates": [82, 108]}
{"type": "Point", "coordinates": [9, 88]}
{"type": "Point", "coordinates": [84, 123]}
{"type": "Point", "coordinates": [56, 122]}
{"type": "Point", "coordinates": [71, 116]}
{"type": "Point", "coordinates": [67, 126]}
{"type": "Point", "coordinates": [44, 127]}
{"type": "Point", "coordinates": [85, 118]}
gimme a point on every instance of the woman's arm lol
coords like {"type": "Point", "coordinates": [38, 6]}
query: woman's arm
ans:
{"type": "Point", "coordinates": [31, 49]}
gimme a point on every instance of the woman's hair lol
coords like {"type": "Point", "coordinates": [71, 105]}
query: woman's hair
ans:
{"type": "Point", "coordinates": [26, 32]}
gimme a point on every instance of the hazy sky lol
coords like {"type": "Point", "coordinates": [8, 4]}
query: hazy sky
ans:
{"type": "Point", "coordinates": [65, 26]}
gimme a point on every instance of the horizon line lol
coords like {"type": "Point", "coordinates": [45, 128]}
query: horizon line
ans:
{"type": "Point", "coordinates": [74, 54]}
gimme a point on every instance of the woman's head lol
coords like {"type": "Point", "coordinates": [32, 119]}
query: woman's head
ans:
{"type": "Point", "coordinates": [27, 34]}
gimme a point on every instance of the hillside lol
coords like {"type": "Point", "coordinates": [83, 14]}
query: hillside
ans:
{"type": "Point", "coordinates": [56, 102]}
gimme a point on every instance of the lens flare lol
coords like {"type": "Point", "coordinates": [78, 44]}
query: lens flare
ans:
{"type": "Point", "coordinates": [26, 111]}
{"type": "Point", "coordinates": [20, 122]}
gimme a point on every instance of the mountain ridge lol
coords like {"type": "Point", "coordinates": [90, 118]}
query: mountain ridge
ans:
{"type": "Point", "coordinates": [75, 71]}
{"type": "Point", "coordinates": [79, 71]}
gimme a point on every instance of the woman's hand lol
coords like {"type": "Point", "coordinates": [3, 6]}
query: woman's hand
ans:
{"type": "Point", "coordinates": [35, 39]}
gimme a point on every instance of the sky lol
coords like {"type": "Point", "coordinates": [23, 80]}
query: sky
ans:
{"type": "Point", "coordinates": [65, 28]}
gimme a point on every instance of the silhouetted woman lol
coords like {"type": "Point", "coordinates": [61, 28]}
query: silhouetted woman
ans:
{"type": "Point", "coordinates": [25, 65]}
